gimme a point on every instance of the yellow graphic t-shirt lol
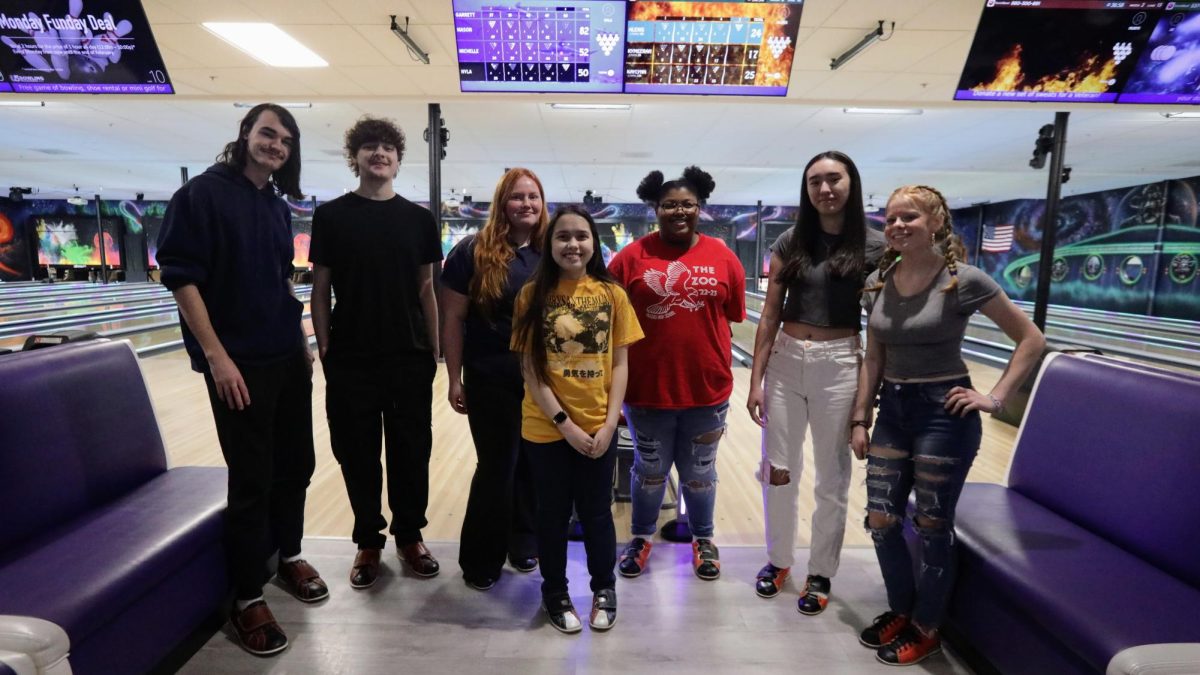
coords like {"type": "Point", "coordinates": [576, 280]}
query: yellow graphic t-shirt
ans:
{"type": "Point", "coordinates": [585, 321]}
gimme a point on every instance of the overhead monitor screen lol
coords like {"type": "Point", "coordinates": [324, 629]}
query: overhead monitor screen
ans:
{"type": "Point", "coordinates": [1055, 50]}
{"type": "Point", "coordinates": [733, 48]}
{"type": "Point", "coordinates": [1168, 69]}
{"type": "Point", "coordinates": [540, 45]}
{"type": "Point", "coordinates": [80, 47]}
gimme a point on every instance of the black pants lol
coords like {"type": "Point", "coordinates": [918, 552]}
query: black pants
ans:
{"type": "Point", "coordinates": [565, 478]}
{"type": "Point", "coordinates": [395, 401]}
{"type": "Point", "coordinates": [500, 510]}
{"type": "Point", "coordinates": [268, 448]}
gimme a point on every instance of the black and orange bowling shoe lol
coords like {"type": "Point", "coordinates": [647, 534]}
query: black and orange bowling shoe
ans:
{"type": "Point", "coordinates": [770, 580]}
{"type": "Point", "coordinates": [815, 596]}
{"type": "Point", "coordinates": [634, 557]}
{"type": "Point", "coordinates": [910, 647]}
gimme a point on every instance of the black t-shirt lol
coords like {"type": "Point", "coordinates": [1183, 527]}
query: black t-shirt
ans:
{"type": "Point", "coordinates": [374, 250]}
{"type": "Point", "coordinates": [486, 342]}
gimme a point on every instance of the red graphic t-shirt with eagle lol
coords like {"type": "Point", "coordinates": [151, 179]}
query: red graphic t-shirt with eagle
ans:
{"type": "Point", "coordinates": [684, 302]}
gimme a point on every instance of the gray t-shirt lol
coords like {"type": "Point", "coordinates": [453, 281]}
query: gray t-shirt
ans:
{"type": "Point", "coordinates": [821, 298]}
{"type": "Point", "coordinates": [922, 334]}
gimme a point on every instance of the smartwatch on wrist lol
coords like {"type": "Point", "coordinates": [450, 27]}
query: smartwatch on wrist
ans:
{"type": "Point", "coordinates": [560, 418]}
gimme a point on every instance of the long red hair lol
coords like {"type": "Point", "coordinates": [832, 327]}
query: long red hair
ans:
{"type": "Point", "coordinates": [493, 250]}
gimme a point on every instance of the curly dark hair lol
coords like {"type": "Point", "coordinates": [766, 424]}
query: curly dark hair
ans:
{"type": "Point", "coordinates": [694, 179]}
{"type": "Point", "coordinates": [372, 130]}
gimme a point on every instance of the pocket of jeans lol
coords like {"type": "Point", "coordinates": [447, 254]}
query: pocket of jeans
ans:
{"type": "Point", "coordinates": [937, 393]}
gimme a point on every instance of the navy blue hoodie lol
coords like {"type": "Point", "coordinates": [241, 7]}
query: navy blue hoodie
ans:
{"type": "Point", "coordinates": [234, 242]}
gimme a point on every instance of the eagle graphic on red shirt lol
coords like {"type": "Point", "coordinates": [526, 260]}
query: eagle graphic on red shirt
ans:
{"type": "Point", "coordinates": [674, 287]}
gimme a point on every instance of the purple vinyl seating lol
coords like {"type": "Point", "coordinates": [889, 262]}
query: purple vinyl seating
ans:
{"type": "Point", "coordinates": [97, 535]}
{"type": "Point", "coordinates": [1094, 546]}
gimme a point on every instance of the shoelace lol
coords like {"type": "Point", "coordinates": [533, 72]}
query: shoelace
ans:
{"type": "Point", "coordinates": [707, 551]}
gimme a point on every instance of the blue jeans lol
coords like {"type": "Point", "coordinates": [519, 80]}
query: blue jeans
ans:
{"type": "Point", "coordinates": [688, 439]}
{"type": "Point", "coordinates": [939, 449]}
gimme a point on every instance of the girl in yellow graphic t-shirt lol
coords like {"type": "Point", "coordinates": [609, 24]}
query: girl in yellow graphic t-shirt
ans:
{"type": "Point", "coordinates": [573, 324]}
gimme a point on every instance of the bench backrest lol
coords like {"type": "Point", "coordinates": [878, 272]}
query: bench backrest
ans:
{"type": "Point", "coordinates": [1115, 448]}
{"type": "Point", "coordinates": [77, 430]}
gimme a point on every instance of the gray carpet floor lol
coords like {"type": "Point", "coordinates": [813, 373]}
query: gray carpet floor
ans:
{"type": "Point", "coordinates": [668, 622]}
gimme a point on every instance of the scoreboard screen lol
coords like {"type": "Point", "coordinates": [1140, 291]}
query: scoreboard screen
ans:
{"type": "Point", "coordinates": [732, 48]}
{"type": "Point", "coordinates": [540, 45]}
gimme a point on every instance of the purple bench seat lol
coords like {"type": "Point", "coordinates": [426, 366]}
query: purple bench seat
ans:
{"type": "Point", "coordinates": [99, 536]}
{"type": "Point", "coordinates": [1092, 547]}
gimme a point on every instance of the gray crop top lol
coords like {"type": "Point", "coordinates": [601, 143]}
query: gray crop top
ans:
{"type": "Point", "coordinates": [922, 334]}
{"type": "Point", "coordinates": [819, 298]}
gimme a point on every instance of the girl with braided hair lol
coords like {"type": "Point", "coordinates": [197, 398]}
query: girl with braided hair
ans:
{"type": "Point", "coordinates": [918, 304]}
{"type": "Point", "coordinates": [685, 287]}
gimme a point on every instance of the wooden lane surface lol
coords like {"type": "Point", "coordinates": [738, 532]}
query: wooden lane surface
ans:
{"type": "Point", "coordinates": [185, 418]}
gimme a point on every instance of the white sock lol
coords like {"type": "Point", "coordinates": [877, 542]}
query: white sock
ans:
{"type": "Point", "coordinates": [243, 604]}
{"type": "Point", "coordinates": [291, 558]}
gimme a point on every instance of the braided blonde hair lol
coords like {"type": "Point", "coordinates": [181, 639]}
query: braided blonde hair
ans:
{"type": "Point", "coordinates": [930, 201]}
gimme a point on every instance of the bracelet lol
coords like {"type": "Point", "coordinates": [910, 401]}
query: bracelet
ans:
{"type": "Point", "coordinates": [997, 404]}
{"type": "Point", "coordinates": [860, 423]}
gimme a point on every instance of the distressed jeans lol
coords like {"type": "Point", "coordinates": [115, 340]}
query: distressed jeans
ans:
{"type": "Point", "coordinates": [686, 438]}
{"type": "Point", "coordinates": [808, 385]}
{"type": "Point", "coordinates": [938, 450]}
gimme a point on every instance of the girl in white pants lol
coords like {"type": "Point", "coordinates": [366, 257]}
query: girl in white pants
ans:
{"type": "Point", "coordinates": [806, 359]}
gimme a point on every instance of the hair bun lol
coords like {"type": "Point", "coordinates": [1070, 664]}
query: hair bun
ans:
{"type": "Point", "coordinates": [650, 188]}
{"type": "Point", "coordinates": [701, 180]}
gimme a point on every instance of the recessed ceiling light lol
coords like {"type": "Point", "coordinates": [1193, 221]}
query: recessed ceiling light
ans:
{"type": "Point", "coordinates": [297, 105]}
{"type": "Point", "coordinates": [591, 106]}
{"type": "Point", "coordinates": [1181, 115]}
{"type": "Point", "coordinates": [23, 104]}
{"type": "Point", "coordinates": [883, 111]}
{"type": "Point", "coordinates": [267, 43]}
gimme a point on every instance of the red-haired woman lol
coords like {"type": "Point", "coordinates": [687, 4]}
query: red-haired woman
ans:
{"type": "Point", "coordinates": [480, 281]}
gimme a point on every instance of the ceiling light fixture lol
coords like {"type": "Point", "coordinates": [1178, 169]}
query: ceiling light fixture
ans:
{"type": "Point", "coordinates": [590, 106]}
{"type": "Point", "coordinates": [883, 111]}
{"type": "Point", "coordinates": [267, 43]}
{"type": "Point", "coordinates": [1181, 115]}
{"type": "Point", "coordinates": [23, 104]}
{"type": "Point", "coordinates": [295, 105]}
{"type": "Point", "coordinates": [877, 34]}
{"type": "Point", "coordinates": [407, 39]}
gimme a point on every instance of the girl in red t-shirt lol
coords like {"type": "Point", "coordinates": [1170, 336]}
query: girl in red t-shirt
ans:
{"type": "Point", "coordinates": [685, 287]}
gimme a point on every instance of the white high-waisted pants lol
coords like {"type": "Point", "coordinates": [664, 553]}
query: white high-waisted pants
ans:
{"type": "Point", "coordinates": [807, 384]}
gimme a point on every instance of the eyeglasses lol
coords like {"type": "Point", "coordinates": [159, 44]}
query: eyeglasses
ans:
{"type": "Point", "coordinates": [675, 206]}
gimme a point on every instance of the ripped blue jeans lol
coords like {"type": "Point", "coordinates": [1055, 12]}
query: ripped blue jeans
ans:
{"type": "Point", "coordinates": [688, 439]}
{"type": "Point", "coordinates": [938, 449]}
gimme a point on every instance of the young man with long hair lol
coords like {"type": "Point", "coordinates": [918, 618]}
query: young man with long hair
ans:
{"type": "Point", "coordinates": [225, 250]}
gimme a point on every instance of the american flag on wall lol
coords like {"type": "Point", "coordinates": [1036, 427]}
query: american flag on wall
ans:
{"type": "Point", "coordinates": [997, 238]}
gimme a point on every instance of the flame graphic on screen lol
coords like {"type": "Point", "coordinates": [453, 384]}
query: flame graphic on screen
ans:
{"type": "Point", "coordinates": [775, 22]}
{"type": "Point", "coordinates": [1089, 76]}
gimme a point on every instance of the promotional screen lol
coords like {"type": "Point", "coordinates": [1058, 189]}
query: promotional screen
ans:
{"type": "Point", "coordinates": [540, 45]}
{"type": "Point", "coordinates": [1168, 70]}
{"type": "Point", "coordinates": [733, 48]}
{"type": "Point", "coordinates": [1056, 50]}
{"type": "Point", "coordinates": [79, 47]}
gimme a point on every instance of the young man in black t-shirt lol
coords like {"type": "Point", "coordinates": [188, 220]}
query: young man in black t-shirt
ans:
{"type": "Point", "coordinates": [378, 346]}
